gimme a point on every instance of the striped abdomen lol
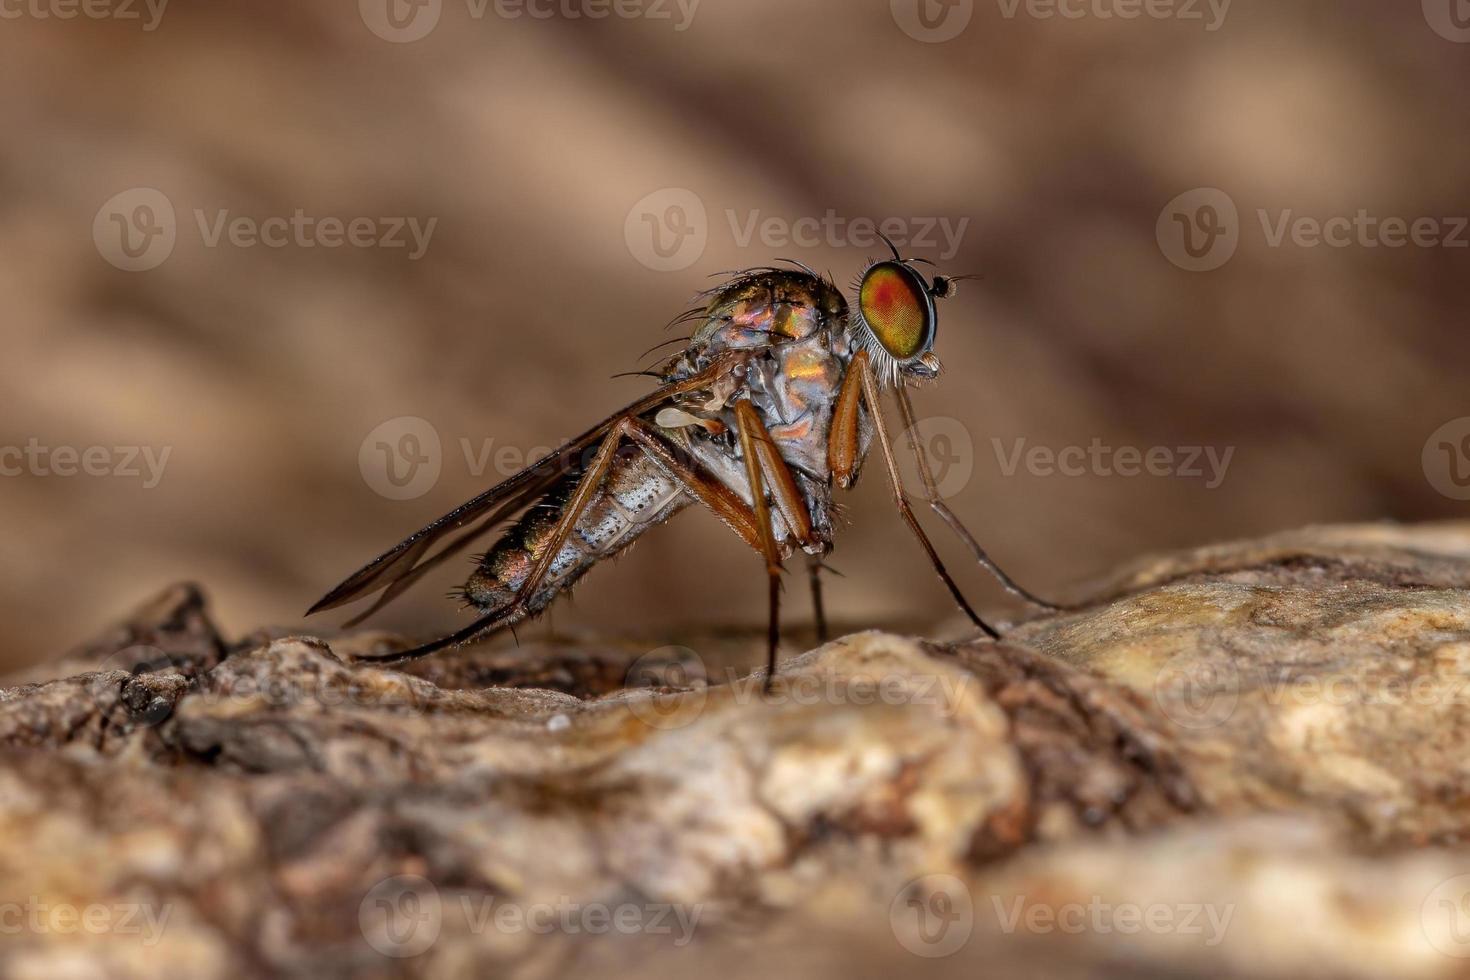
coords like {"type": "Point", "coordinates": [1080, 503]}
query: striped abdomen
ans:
{"type": "Point", "coordinates": [636, 495]}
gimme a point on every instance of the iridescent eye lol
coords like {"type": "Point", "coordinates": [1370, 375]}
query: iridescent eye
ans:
{"type": "Point", "coordinates": [897, 307]}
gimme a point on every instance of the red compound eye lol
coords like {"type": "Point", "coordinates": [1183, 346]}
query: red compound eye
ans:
{"type": "Point", "coordinates": [896, 305]}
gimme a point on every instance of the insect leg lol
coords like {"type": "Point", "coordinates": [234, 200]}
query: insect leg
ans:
{"type": "Point", "coordinates": [720, 499]}
{"type": "Point", "coordinates": [864, 370]}
{"type": "Point", "coordinates": [787, 495]}
{"type": "Point", "coordinates": [751, 432]}
{"type": "Point", "coordinates": [781, 483]}
{"type": "Point", "coordinates": [775, 474]}
{"type": "Point", "coordinates": [931, 493]}
{"type": "Point", "coordinates": [819, 612]}
{"type": "Point", "coordinates": [736, 512]}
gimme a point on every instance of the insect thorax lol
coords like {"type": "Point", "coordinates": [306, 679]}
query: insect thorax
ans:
{"type": "Point", "coordinates": [794, 326]}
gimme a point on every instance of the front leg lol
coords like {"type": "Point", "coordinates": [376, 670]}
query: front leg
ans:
{"type": "Point", "coordinates": [842, 455]}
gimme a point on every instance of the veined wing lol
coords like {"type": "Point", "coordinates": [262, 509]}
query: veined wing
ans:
{"type": "Point", "coordinates": [403, 564]}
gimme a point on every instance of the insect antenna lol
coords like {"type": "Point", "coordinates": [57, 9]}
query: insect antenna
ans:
{"type": "Point", "coordinates": [636, 374]}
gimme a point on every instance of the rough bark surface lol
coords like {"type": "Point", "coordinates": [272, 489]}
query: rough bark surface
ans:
{"type": "Point", "coordinates": [1248, 759]}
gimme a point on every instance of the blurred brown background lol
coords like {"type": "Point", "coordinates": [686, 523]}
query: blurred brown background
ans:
{"type": "Point", "coordinates": [534, 142]}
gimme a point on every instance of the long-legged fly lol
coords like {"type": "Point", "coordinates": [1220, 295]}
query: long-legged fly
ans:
{"type": "Point", "coordinates": [774, 401]}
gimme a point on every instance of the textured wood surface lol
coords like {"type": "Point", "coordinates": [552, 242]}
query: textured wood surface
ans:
{"type": "Point", "coordinates": [1243, 760]}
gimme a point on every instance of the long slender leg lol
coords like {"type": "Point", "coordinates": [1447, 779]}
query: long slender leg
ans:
{"type": "Point", "coordinates": [720, 499]}
{"type": "Point", "coordinates": [750, 424]}
{"type": "Point", "coordinates": [787, 495]}
{"type": "Point", "coordinates": [819, 612]}
{"type": "Point", "coordinates": [739, 515]}
{"type": "Point", "coordinates": [931, 493]}
{"type": "Point", "coordinates": [864, 370]}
